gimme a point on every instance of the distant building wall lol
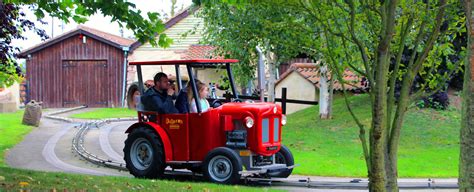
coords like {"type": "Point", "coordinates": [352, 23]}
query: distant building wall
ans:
{"type": "Point", "coordinates": [11, 94]}
{"type": "Point", "coordinates": [297, 88]}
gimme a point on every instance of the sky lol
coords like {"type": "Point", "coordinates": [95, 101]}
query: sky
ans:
{"type": "Point", "coordinates": [97, 21]}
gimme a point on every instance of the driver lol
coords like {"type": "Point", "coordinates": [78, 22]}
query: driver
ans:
{"type": "Point", "coordinates": [159, 97]}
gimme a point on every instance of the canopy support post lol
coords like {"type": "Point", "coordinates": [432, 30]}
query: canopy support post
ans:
{"type": "Point", "coordinates": [231, 79]}
{"type": "Point", "coordinates": [194, 89]}
{"type": "Point", "coordinates": [140, 79]}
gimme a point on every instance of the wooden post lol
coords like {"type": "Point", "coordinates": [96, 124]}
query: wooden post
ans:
{"type": "Point", "coordinates": [283, 100]}
{"type": "Point", "coordinates": [227, 96]}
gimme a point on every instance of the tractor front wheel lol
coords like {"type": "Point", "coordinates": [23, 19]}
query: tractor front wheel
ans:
{"type": "Point", "coordinates": [222, 165]}
{"type": "Point", "coordinates": [283, 156]}
{"type": "Point", "coordinates": [144, 155]}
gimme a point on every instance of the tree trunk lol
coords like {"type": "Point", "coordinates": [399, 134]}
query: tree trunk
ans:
{"type": "Point", "coordinates": [331, 97]}
{"type": "Point", "coordinates": [377, 132]}
{"type": "Point", "coordinates": [271, 62]}
{"type": "Point", "coordinates": [466, 160]}
{"type": "Point", "coordinates": [394, 139]}
{"type": "Point", "coordinates": [323, 92]}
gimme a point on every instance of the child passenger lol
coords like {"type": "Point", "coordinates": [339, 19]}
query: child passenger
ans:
{"type": "Point", "coordinates": [203, 91]}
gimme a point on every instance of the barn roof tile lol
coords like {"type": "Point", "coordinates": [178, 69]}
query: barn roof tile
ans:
{"type": "Point", "coordinates": [310, 71]}
{"type": "Point", "coordinates": [201, 52]}
{"type": "Point", "coordinates": [111, 39]}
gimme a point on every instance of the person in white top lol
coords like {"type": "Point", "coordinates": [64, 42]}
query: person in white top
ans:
{"type": "Point", "coordinates": [203, 91]}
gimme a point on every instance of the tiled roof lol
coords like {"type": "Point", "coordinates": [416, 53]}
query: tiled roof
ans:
{"type": "Point", "coordinates": [113, 40]}
{"type": "Point", "coordinates": [310, 71]}
{"type": "Point", "coordinates": [111, 37]}
{"type": "Point", "coordinates": [201, 52]}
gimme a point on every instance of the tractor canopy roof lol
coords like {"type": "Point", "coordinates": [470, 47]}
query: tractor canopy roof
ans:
{"type": "Point", "coordinates": [193, 62]}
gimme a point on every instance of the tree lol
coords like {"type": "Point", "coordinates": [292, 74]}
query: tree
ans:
{"type": "Point", "coordinates": [237, 30]}
{"type": "Point", "coordinates": [381, 31]}
{"type": "Point", "coordinates": [14, 22]}
{"type": "Point", "coordinates": [173, 7]}
{"type": "Point", "coordinates": [466, 162]}
{"type": "Point", "coordinates": [10, 72]}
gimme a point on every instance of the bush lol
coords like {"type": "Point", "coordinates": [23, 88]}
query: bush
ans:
{"type": "Point", "coordinates": [439, 100]}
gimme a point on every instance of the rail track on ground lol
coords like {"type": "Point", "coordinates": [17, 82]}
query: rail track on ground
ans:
{"type": "Point", "coordinates": [84, 126]}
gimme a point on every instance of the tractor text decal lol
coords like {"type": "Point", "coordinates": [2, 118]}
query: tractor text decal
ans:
{"type": "Point", "coordinates": [174, 123]}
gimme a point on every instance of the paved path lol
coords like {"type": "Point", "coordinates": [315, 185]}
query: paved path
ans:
{"type": "Point", "coordinates": [48, 148]}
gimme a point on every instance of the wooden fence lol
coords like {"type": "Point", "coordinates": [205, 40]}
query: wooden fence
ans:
{"type": "Point", "coordinates": [283, 100]}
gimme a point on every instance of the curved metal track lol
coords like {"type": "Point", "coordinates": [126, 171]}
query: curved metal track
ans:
{"type": "Point", "coordinates": [78, 139]}
{"type": "Point", "coordinates": [78, 147]}
{"type": "Point", "coordinates": [83, 128]}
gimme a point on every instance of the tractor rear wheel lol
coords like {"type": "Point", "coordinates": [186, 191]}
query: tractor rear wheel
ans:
{"type": "Point", "coordinates": [283, 156]}
{"type": "Point", "coordinates": [144, 154]}
{"type": "Point", "coordinates": [222, 165]}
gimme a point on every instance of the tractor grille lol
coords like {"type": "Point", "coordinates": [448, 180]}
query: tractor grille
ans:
{"type": "Point", "coordinates": [262, 160]}
{"type": "Point", "coordinates": [237, 139]}
{"type": "Point", "coordinates": [276, 123]}
{"type": "Point", "coordinates": [265, 130]}
{"type": "Point", "coordinates": [266, 127]}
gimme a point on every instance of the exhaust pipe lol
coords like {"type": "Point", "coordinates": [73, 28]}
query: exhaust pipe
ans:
{"type": "Point", "coordinates": [261, 74]}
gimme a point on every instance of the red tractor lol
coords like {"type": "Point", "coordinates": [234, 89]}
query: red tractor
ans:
{"type": "Point", "coordinates": [224, 143]}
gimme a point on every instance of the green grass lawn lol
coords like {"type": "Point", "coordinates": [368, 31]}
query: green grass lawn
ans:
{"type": "Point", "coordinates": [429, 145]}
{"type": "Point", "coordinates": [17, 179]}
{"type": "Point", "coordinates": [11, 131]}
{"type": "Point", "coordinates": [102, 113]}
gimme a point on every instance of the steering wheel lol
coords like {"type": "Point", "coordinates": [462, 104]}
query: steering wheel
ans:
{"type": "Point", "coordinates": [216, 103]}
{"type": "Point", "coordinates": [237, 100]}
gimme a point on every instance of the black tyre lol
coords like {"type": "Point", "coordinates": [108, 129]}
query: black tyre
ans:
{"type": "Point", "coordinates": [222, 165]}
{"type": "Point", "coordinates": [283, 156]}
{"type": "Point", "coordinates": [144, 156]}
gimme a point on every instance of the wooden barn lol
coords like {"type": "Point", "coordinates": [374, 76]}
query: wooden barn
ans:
{"type": "Point", "coordinates": [80, 67]}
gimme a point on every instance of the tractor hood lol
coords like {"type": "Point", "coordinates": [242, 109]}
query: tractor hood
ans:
{"type": "Point", "coordinates": [264, 137]}
{"type": "Point", "coordinates": [255, 109]}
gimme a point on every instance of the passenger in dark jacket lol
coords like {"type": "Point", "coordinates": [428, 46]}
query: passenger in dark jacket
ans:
{"type": "Point", "coordinates": [158, 98]}
{"type": "Point", "coordinates": [182, 101]}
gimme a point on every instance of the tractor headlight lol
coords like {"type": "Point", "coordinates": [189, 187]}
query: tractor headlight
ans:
{"type": "Point", "coordinates": [283, 119]}
{"type": "Point", "coordinates": [249, 122]}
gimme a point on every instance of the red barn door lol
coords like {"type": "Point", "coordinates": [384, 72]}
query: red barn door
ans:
{"type": "Point", "coordinates": [85, 83]}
